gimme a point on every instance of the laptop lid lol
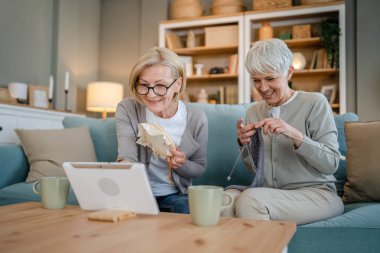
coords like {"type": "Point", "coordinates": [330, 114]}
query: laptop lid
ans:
{"type": "Point", "coordinates": [117, 186]}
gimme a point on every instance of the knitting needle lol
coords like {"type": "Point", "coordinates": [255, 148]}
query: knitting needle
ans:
{"type": "Point", "coordinates": [233, 168]}
{"type": "Point", "coordinates": [250, 156]}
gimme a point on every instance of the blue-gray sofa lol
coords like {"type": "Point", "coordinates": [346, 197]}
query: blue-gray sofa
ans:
{"type": "Point", "coordinates": [357, 230]}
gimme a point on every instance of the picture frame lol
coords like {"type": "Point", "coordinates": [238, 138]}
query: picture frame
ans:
{"type": "Point", "coordinates": [38, 96]}
{"type": "Point", "coordinates": [330, 92]}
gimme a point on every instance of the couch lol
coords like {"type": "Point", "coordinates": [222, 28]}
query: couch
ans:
{"type": "Point", "coordinates": [356, 230]}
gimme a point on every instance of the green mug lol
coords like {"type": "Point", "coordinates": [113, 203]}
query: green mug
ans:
{"type": "Point", "coordinates": [206, 204]}
{"type": "Point", "coordinates": [53, 191]}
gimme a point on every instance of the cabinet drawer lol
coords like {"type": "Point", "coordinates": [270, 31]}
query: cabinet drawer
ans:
{"type": "Point", "coordinates": [7, 125]}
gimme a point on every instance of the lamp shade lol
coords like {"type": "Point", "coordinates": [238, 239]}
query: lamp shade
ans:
{"type": "Point", "coordinates": [103, 96]}
{"type": "Point", "coordinates": [299, 61]}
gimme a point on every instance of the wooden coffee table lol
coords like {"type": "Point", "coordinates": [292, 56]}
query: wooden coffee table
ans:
{"type": "Point", "coordinates": [28, 227]}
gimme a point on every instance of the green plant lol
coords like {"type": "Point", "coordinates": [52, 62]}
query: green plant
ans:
{"type": "Point", "coordinates": [330, 32]}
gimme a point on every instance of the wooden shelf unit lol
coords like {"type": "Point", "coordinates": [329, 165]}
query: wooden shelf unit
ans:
{"type": "Point", "coordinates": [282, 20]}
{"type": "Point", "coordinates": [247, 23]}
{"type": "Point", "coordinates": [203, 50]}
{"type": "Point", "coordinates": [213, 77]}
{"type": "Point", "coordinates": [209, 56]}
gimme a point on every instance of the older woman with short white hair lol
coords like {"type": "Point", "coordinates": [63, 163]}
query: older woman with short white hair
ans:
{"type": "Point", "coordinates": [299, 144]}
{"type": "Point", "coordinates": [156, 83]}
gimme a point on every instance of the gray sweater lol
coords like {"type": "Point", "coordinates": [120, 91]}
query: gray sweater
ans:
{"type": "Point", "coordinates": [130, 113]}
{"type": "Point", "coordinates": [289, 168]}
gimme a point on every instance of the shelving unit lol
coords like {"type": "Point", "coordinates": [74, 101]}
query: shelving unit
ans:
{"type": "Point", "coordinates": [210, 56]}
{"type": "Point", "coordinates": [248, 24]}
{"type": "Point", "coordinates": [306, 79]}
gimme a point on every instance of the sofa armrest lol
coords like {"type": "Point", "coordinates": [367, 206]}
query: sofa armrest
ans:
{"type": "Point", "coordinates": [14, 165]}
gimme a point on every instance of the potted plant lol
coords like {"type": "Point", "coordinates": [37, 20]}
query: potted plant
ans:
{"type": "Point", "coordinates": [330, 32]}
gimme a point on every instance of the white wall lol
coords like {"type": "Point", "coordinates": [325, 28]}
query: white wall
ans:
{"type": "Point", "coordinates": [26, 41]}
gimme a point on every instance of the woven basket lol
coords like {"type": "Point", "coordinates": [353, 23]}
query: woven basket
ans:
{"type": "Point", "coordinates": [227, 2]}
{"type": "Point", "coordinates": [270, 4]}
{"type": "Point", "coordinates": [226, 9]}
{"type": "Point", "coordinates": [186, 9]}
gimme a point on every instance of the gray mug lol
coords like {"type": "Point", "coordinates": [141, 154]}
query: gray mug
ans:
{"type": "Point", "coordinates": [53, 191]}
{"type": "Point", "coordinates": [206, 204]}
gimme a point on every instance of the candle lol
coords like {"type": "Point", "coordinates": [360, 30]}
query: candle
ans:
{"type": "Point", "coordinates": [67, 77]}
{"type": "Point", "coordinates": [51, 84]}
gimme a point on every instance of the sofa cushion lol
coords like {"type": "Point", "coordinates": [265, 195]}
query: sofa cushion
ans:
{"type": "Point", "coordinates": [362, 215]}
{"type": "Point", "coordinates": [222, 149]}
{"type": "Point", "coordinates": [14, 166]}
{"type": "Point", "coordinates": [340, 174]}
{"type": "Point", "coordinates": [48, 149]}
{"type": "Point", "coordinates": [363, 162]}
{"type": "Point", "coordinates": [103, 134]}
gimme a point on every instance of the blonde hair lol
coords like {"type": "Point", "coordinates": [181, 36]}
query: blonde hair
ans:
{"type": "Point", "coordinates": [269, 56]}
{"type": "Point", "coordinates": [162, 56]}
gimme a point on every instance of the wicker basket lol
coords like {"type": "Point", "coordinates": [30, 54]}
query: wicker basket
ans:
{"type": "Point", "coordinates": [226, 9]}
{"type": "Point", "coordinates": [227, 2]}
{"type": "Point", "coordinates": [186, 9]}
{"type": "Point", "coordinates": [270, 4]}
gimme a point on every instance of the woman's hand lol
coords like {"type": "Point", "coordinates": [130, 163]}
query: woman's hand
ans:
{"type": "Point", "coordinates": [278, 126]}
{"type": "Point", "coordinates": [178, 158]}
{"type": "Point", "coordinates": [244, 133]}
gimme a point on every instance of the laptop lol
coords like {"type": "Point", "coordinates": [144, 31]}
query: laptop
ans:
{"type": "Point", "coordinates": [116, 186]}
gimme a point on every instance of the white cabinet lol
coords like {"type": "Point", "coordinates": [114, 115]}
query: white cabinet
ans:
{"type": "Point", "coordinates": [23, 117]}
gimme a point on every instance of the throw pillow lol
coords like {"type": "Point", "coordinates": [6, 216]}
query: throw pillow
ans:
{"type": "Point", "coordinates": [46, 150]}
{"type": "Point", "coordinates": [363, 162]}
{"type": "Point", "coordinates": [103, 134]}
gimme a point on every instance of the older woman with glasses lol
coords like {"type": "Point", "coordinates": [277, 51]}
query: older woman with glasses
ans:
{"type": "Point", "coordinates": [156, 83]}
{"type": "Point", "coordinates": [295, 135]}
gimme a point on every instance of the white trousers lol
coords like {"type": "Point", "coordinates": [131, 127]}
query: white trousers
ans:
{"type": "Point", "coordinates": [303, 205]}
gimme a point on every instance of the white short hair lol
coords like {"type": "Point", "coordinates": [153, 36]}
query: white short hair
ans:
{"type": "Point", "coordinates": [269, 56]}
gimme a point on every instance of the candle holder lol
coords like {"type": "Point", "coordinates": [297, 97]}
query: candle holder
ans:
{"type": "Point", "coordinates": [51, 103]}
{"type": "Point", "coordinates": [66, 94]}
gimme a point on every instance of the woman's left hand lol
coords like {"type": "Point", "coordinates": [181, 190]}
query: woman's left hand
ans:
{"type": "Point", "coordinates": [178, 158]}
{"type": "Point", "coordinates": [278, 126]}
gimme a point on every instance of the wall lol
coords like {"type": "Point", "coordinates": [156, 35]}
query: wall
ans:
{"type": "Point", "coordinates": [128, 28]}
{"type": "Point", "coordinates": [78, 32]}
{"type": "Point", "coordinates": [368, 55]}
{"type": "Point", "coordinates": [26, 41]}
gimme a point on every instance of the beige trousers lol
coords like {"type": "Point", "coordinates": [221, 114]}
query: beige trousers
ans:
{"type": "Point", "coordinates": [303, 205]}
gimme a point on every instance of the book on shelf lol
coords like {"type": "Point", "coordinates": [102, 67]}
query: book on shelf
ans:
{"type": "Point", "coordinates": [173, 41]}
{"type": "Point", "coordinates": [228, 94]}
{"type": "Point", "coordinates": [233, 64]}
{"type": "Point", "coordinates": [319, 60]}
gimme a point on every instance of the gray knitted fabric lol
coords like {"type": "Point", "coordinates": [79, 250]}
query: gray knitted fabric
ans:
{"type": "Point", "coordinates": [256, 153]}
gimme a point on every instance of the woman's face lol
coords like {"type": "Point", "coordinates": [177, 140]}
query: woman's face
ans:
{"type": "Point", "coordinates": [161, 77]}
{"type": "Point", "coordinates": [273, 88]}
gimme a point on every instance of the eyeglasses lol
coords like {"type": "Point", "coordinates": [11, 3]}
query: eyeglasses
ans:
{"type": "Point", "coordinates": [159, 89]}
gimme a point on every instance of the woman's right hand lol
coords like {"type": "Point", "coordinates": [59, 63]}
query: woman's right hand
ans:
{"type": "Point", "coordinates": [244, 132]}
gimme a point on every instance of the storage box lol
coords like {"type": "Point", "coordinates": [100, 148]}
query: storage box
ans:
{"type": "Point", "coordinates": [270, 4]}
{"type": "Point", "coordinates": [220, 36]}
{"type": "Point", "coordinates": [301, 31]}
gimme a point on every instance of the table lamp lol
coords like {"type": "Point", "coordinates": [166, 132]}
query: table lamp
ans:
{"type": "Point", "coordinates": [103, 97]}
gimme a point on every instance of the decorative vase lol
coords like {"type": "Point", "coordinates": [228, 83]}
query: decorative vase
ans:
{"type": "Point", "coordinates": [266, 31]}
{"type": "Point", "coordinates": [202, 96]}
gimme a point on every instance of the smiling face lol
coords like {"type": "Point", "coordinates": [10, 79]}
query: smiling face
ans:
{"type": "Point", "coordinates": [273, 88]}
{"type": "Point", "coordinates": [161, 106]}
